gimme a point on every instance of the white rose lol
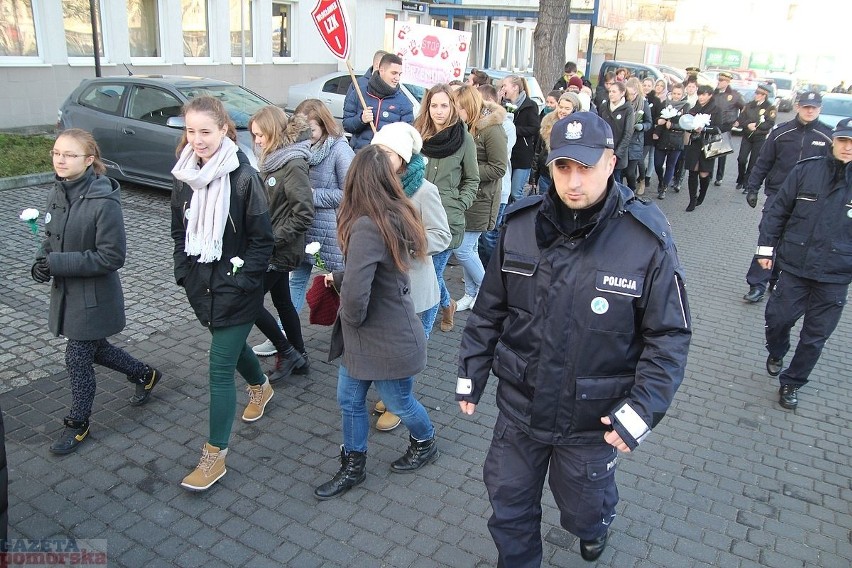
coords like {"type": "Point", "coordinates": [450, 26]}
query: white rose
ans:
{"type": "Point", "coordinates": [29, 214]}
{"type": "Point", "coordinates": [313, 248]}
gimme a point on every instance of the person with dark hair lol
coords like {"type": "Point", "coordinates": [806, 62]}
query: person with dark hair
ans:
{"type": "Point", "coordinates": [602, 90]}
{"type": "Point", "coordinates": [477, 78]}
{"type": "Point", "coordinates": [569, 71]}
{"type": "Point", "coordinates": [756, 120]}
{"type": "Point", "coordinates": [583, 318]}
{"type": "Point", "coordinates": [700, 167]}
{"type": "Point", "coordinates": [807, 231]}
{"type": "Point", "coordinates": [527, 123]}
{"type": "Point", "coordinates": [83, 249]}
{"type": "Point", "coordinates": [729, 102]}
{"type": "Point", "coordinates": [619, 114]}
{"type": "Point", "coordinates": [669, 137]}
{"type": "Point", "coordinates": [222, 247]}
{"type": "Point", "coordinates": [377, 332]}
{"type": "Point", "coordinates": [385, 101]}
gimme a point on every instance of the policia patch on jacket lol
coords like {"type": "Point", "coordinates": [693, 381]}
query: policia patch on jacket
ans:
{"type": "Point", "coordinates": [625, 284]}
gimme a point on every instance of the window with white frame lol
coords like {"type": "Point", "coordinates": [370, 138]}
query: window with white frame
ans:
{"type": "Point", "coordinates": [242, 30]}
{"type": "Point", "coordinates": [196, 35]}
{"type": "Point", "coordinates": [18, 31]}
{"type": "Point", "coordinates": [390, 22]}
{"type": "Point", "coordinates": [282, 16]}
{"type": "Point", "coordinates": [143, 20]}
{"type": "Point", "coordinates": [77, 19]}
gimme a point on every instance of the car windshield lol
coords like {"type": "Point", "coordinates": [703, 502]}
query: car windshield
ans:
{"type": "Point", "coordinates": [418, 92]}
{"type": "Point", "coordinates": [785, 84]}
{"type": "Point", "coordinates": [837, 107]}
{"type": "Point", "coordinates": [240, 103]}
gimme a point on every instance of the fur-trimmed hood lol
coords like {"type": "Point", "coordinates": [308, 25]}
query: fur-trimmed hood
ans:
{"type": "Point", "coordinates": [297, 129]}
{"type": "Point", "coordinates": [492, 114]}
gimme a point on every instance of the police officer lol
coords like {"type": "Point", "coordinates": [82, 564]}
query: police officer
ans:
{"type": "Point", "coordinates": [813, 212]}
{"type": "Point", "coordinates": [756, 120]}
{"type": "Point", "coordinates": [800, 138]}
{"type": "Point", "coordinates": [729, 103]}
{"type": "Point", "coordinates": [583, 317]}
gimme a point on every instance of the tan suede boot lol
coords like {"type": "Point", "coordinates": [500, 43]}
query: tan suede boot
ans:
{"type": "Point", "coordinates": [209, 470]}
{"type": "Point", "coordinates": [387, 421]}
{"type": "Point", "coordinates": [447, 316]}
{"type": "Point", "coordinates": [640, 187]}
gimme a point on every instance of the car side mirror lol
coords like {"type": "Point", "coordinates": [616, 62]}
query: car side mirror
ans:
{"type": "Point", "coordinates": [176, 122]}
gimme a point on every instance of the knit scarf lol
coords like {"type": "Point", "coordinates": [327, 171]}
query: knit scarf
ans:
{"type": "Point", "coordinates": [446, 142]}
{"type": "Point", "coordinates": [276, 159]}
{"type": "Point", "coordinates": [211, 198]}
{"type": "Point", "coordinates": [413, 176]}
{"type": "Point", "coordinates": [320, 151]}
{"type": "Point", "coordinates": [378, 87]}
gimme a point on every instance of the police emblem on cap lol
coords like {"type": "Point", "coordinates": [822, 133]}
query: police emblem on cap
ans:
{"type": "Point", "coordinates": [810, 96]}
{"type": "Point", "coordinates": [573, 131]}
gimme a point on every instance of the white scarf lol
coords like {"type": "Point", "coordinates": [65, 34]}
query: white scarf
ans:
{"type": "Point", "coordinates": [211, 198]}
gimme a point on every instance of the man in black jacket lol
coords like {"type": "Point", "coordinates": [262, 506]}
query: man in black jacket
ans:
{"type": "Point", "coordinates": [808, 229]}
{"type": "Point", "coordinates": [583, 317]}
{"type": "Point", "coordinates": [756, 120]}
{"type": "Point", "coordinates": [730, 103]}
{"type": "Point", "coordinates": [800, 138]}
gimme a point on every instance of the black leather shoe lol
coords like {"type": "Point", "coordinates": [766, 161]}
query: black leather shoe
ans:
{"type": "Point", "coordinates": [788, 398]}
{"type": "Point", "coordinates": [774, 366]}
{"type": "Point", "coordinates": [661, 194]}
{"type": "Point", "coordinates": [717, 183]}
{"type": "Point", "coordinates": [591, 550]}
{"type": "Point", "coordinates": [755, 294]}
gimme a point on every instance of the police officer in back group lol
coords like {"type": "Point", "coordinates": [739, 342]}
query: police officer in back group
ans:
{"type": "Point", "coordinates": [756, 120]}
{"type": "Point", "coordinates": [730, 103]}
{"type": "Point", "coordinates": [808, 228]}
{"type": "Point", "coordinates": [800, 138]}
{"type": "Point", "coordinates": [583, 318]}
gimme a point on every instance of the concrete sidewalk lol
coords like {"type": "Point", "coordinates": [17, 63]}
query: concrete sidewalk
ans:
{"type": "Point", "coordinates": [728, 478]}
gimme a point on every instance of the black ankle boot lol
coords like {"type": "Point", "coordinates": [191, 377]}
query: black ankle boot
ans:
{"type": "Point", "coordinates": [75, 432]}
{"type": "Point", "coordinates": [145, 386]}
{"type": "Point", "coordinates": [351, 473]}
{"type": "Point", "coordinates": [416, 456]}
{"type": "Point", "coordinates": [285, 362]}
{"type": "Point", "coordinates": [304, 369]}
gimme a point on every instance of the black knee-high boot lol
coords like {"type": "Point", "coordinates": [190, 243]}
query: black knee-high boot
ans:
{"type": "Point", "coordinates": [692, 182]}
{"type": "Point", "coordinates": [702, 192]}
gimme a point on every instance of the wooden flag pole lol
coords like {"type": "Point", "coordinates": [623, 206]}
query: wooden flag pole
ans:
{"type": "Point", "coordinates": [358, 90]}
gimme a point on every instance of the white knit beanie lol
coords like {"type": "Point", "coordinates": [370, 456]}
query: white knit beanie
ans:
{"type": "Point", "coordinates": [400, 137]}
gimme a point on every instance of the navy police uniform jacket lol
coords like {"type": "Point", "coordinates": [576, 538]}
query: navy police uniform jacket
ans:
{"type": "Point", "coordinates": [582, 325]}
{"type": "Point", "coordinates": [787, 144]}
{"type": "Point", "coordinates": [809, 225]}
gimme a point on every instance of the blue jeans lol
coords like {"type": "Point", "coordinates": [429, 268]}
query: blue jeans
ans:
{"type": "Point", "coordinates": [299, 279]}
{"type": "Point", "coordinates": [488, 240]}
{"type": "Point", "coordinates": [519, 179]}
{"type": "Point", "coordinates": [468, 256]}
{"type": "Point", "coordinates": [398, 396]}
{"type": "Point", "coordinates": [440, 262]}
{"type": "Point", "coordinates": [427, 318]}
{"type": "Point", "coordinates": [544, 183]}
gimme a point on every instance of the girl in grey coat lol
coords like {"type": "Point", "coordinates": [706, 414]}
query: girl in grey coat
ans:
{"type": "Point", "coordinates": [83, 249]}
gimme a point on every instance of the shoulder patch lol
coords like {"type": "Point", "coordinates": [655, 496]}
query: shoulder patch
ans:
{"type": "Point", "coordinates": [521, 204]}
{"type": "Point", "coordinates": [652, 218]}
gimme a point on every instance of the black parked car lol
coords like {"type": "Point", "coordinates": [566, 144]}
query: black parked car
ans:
{"type": "Point", "coordinates": [128, 117]}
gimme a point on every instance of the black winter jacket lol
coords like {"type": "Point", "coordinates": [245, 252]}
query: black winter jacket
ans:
{"type": "Point", "coordinates": [527, 124]}
{"type": "Point", "coordinates": [809, 223]}
{"type": "Point", "coordinates": [612, 293]}
{"type": "Point", "coordinates": [762, 115]}
{"type": "Point", "coordinates": [730, 103]}
{"type": "Point", "coordinates": [621, 122]}
{"type": "Point", "coordinates": [219, 297]}
{"type": "Point", "coordinates": [786, 145]}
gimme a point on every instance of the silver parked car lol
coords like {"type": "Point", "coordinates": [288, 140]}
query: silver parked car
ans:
{"type": "Point", "coordinates": [128, 117]}
{"type": "Point", "coordinates": [331, 89]}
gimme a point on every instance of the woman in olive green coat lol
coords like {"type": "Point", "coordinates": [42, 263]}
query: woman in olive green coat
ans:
{"type": "Point", "coordinates": [452, 167]}
{"type": "Point", "coordinates": [485, 123]}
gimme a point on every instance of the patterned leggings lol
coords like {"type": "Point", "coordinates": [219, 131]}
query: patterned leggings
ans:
{"type": "Point", "coordinates": [79, 358]}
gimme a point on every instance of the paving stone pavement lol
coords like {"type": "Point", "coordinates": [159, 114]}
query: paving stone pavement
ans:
{"type": "Point", "coordinates": [728, 478]}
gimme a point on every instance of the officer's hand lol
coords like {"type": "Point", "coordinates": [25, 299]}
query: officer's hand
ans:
{"type": "Point", "coordinates": [612, 438]}
{"type": "Point", "coordinates": [467, 407]}
{"type": "Point", "coordinates": [367, 115]}
{"type": "Point", "coordinates": [765, 263]}
{"type": "Point", "coordinates": [751, 199]}
{"type": "Point", "coordinates": [41, 271]}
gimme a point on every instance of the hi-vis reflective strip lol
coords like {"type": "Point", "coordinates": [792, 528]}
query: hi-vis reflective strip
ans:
{"type": "Point", "coordinates": [680, 301]}
{"type": "Point", "coordinates": [632, 422]}
{"type": "Point", "coordinates": [765, 251]}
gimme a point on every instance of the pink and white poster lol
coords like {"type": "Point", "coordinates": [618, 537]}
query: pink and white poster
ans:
{"type": "Point", "coordinates": [430, 54]}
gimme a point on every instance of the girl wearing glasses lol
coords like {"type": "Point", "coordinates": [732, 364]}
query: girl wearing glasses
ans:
{"type": "Point", "coordinates": [83, 249]}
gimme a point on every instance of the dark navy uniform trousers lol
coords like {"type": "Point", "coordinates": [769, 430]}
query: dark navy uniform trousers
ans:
{"type": "Point", "coordinates": [582, 479]}
{"type": "Point", "coordinates": [820, 303]}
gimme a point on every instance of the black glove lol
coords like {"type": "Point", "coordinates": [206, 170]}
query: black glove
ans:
{"type": "Point", "coordinates": [751, 198]}
{"type": "Point", "coordinates": [41, 271]}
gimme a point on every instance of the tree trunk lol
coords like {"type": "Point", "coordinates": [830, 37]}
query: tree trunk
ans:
{"type": "Point", "coordinates": [549, 37]}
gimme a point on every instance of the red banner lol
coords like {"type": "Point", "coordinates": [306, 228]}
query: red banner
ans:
{"type": "Point", "coordinates": [330, 19]}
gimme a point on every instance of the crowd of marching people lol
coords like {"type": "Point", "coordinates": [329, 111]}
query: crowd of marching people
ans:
{"type": "Point", "coordinates": [389, 208]}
